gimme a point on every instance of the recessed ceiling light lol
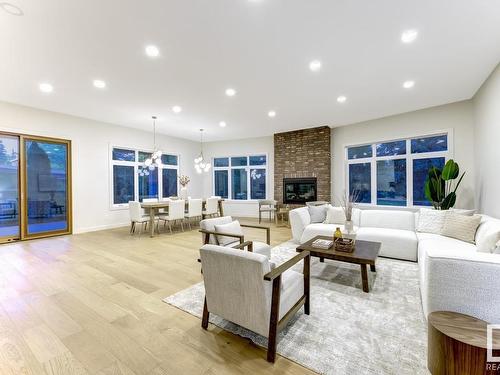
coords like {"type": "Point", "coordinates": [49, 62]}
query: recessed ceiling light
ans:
{"type": "Point", "coordinates": [315, 65]}
{"type": "Point", "coordinates": [341, 99]}
{"type": "Point", "coordinates": [409, 36]}
{"type": "Point", "coordinates": [176, 109]}
{"type": "Point", "coordinates": [222, 124]}
{"type": "Point", "coordinates": [100, 84]}
{"type": "Point", "coordinates": [271, 114]}
{"type": "Point", "coordinates": [408, 84]}
{"type": "Point", "coordinates": [46, 87]}
{"type": "Point", "coordinates": [152, 51]}
{"type": "Point", "coordinates": [230, 92]}
{"type": "Point", "coordinates": [12, 9]}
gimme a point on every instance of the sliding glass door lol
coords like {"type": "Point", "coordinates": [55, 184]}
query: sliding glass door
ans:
{"type": "Point", "coordinates": [9, 188]}
{"type": "Point", "coordinates": [35, 187]}
{"type": "Point", "coordinates": [46, 177]}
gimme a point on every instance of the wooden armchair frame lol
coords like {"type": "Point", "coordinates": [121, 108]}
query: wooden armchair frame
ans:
{"type": "Point", "coordinates": [207, 233]}
{"type": "Point", "coordinates": [276, 324]}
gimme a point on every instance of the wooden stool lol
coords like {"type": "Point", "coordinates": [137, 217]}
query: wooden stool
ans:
{"type": "Point", "coordinates": [457, 345]}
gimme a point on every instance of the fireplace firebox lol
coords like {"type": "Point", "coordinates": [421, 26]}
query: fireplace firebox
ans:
{"type": "Point", "coordinates": [299, 190]}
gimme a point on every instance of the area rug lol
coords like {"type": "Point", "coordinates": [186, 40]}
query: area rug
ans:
{"type": "Point", "coordinates": [348, 331]}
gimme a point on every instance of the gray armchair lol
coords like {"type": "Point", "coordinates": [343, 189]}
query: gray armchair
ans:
{"type": "Point", "coordinates": [241, 287]}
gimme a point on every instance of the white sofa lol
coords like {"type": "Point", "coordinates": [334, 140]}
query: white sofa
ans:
{"type": "Point", "coordinates": [453, 275]}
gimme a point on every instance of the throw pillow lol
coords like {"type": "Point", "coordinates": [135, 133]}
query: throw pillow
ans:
{"type": "Point", "coordinates": [461, 227]}
{"type": "Point", "coordinates": [463, 212]}
{"type": "Point", "coordinates": [318, 213]}
{"type": "Point", "coordinates": [487, 236]}
{"type": "Point", "coordinates": [431, 221]}
{"type": "Point", "coordinates": [335, 215]}
{"type": "Point", "coordinates": [231, 228]}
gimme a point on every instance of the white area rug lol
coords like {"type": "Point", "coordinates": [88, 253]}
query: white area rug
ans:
{"type": "Point", "coordinates": [348, 331]}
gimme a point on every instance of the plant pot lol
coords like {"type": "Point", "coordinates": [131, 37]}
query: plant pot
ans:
{"type": "Point", "coordinates": [183, 193]}
{"type": "Point", "coordinates": [349, 226]}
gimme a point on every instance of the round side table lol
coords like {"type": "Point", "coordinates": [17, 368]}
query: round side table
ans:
{"type": "Point", "coordinates": [457, 345]}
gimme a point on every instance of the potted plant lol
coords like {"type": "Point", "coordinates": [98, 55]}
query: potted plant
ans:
{"type": "Point", "coordinates": [440, 186]}
{"type": "Point", "coordinates": [183, 181]}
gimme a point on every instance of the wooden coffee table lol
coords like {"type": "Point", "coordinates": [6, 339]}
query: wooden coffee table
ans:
{"type": "Point", "coordinates": [365, 253]}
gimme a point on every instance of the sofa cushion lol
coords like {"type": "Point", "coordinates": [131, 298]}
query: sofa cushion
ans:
{"type": "Point", "coordinates": [318, 213]}
{"type": "Point", "coordinates": [313, 230]}
{"type": "Point", "coordinates": [461, 227]}
{"type": "Point", "coordinates": [431, 221]}
{"type": "Point", "coordinates": [229, 228]}
{"type": "Point", "coordinates": [390, 219]}
{"type": "Point", "coordinates": [334, 215]}
{"type": "Point", "coordinates": [396, 243]}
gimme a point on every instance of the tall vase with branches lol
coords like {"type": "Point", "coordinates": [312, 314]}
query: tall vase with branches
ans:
{"type": "Point", "coordinates": [347, 203]}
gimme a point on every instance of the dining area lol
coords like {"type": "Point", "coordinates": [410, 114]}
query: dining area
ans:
{"type": "Point", "coordinates": [158, 216]}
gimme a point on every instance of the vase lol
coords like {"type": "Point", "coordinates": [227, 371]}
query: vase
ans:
{"type": "Point", "coordinates": [183, 193]}
{"type": "Point", "coordinates": [349, 226]}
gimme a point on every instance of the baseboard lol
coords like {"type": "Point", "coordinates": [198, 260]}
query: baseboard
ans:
{"type": "Point", "coordinates": [101, 227]}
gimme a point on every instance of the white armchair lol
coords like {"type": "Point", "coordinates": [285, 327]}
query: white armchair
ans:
{"type": "Point", "coordinates": [225, 231]}
{"type": "Point", "coordinates": [241, 287]}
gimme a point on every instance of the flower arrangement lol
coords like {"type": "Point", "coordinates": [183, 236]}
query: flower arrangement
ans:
{"type": "Point", "coordinates": [184, 180]}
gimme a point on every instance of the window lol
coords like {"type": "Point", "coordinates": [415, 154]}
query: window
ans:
{"type": "Point", "coordinates": [360, 180]}
{"type": "Point", "coordinates": [240, 177]}
{"type": "Point", "coordinates": [123, 183]}
{"type": "Point", "coordinates": [394, 173]}
{"type": "Point", "coordinates": [127, 185]}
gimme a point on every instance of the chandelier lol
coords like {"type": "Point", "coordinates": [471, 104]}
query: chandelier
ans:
{"type": "Point", "coordinates": [154, 161]}
{"type": "Point", "coordinates": [200, 164]}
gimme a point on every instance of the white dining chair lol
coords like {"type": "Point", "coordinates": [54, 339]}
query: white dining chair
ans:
{"type": "Point", "coordinates": [137, 217]}
{"type": "Point", "coordinates": [195, 207]}
{"type": "Point", "coordinates": [150, 200]}
{"type": "Point", "coordinates": [211, 207]}
{"type": "Point", "coordinates": [175, 213]}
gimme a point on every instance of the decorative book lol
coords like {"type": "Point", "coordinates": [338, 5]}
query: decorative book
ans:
{"type": "Point", "coordinates": [322, 244]}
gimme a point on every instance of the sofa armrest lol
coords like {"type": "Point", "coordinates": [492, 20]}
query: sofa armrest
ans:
{"type": "Point", "coordinates": [299, 220]}
{"type": "Point", "coordinates": [464, 283]}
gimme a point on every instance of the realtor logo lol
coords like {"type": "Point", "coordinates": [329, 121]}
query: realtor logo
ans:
{"type": "Point", "coordinates": [489, 342]}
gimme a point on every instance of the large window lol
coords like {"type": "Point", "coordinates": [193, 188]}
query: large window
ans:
{"type": "Point", "coordinates": [128, 185]}
{"type": "Point", "coordinates": [240, 177]}
{"type": "Point", "coordinates": [394, 173]}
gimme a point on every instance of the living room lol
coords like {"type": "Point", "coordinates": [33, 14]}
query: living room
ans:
{"type": "Point", "coordinates": [249, 187]}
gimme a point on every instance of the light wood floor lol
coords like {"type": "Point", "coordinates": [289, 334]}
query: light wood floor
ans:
{"type": "Point", "coordinates": [91, 304]}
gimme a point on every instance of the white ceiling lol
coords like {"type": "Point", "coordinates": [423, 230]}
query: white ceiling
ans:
{"type": "Point", "coordinates": [262, 48]}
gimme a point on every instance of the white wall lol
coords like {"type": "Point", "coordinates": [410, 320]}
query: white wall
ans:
{"type": "Point", "coordinates": [487, 144]}
{"type": "Point", "coordinates": [456, 116]}
{"type": "Point", "coordinates": [239, 147]}
{"type": "Point", "coordinates": [90, 142]}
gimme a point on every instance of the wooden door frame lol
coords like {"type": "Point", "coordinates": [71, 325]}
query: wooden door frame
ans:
{"type": "Point", "coordinates": [22, 183]}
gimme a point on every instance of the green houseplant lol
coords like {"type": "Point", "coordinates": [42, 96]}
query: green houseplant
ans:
{"type": "Point", "coordinates": [440, 186]}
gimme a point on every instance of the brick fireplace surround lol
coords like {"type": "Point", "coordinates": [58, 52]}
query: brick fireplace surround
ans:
{"type": "Point", "coordinates": [303, 153]}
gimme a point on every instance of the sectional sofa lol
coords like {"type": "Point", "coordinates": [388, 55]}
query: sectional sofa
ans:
{"type": "Point", "coordinates": [453, 274]}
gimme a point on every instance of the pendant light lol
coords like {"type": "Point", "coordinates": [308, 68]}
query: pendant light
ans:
{"type": "Point", "coordinates": [153, 162]}
{"type": "Point", "coordinates": [200, 164]}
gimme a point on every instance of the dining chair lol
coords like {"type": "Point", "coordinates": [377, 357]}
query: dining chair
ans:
{"type": "Point", "coordinates": [137, 217]}
{"type": "Point", "coordinates": [175, 213]}
{"type": "Point", "coordinates": [195, 207]}
{"type": "Point", "coordinates": [211, 207]}
{"type": "Point", "coordinates": [241, 287]}
{"type": "Point", "coordinates": [268, 205]}
{"type": "Point", "coordinates": [150, 200]}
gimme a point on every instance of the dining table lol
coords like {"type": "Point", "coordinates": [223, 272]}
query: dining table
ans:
{"type": "Point", "coordinates": [154, 207]}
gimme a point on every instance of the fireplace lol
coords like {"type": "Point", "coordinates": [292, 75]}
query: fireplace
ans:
{"type": "Point", "coordinates": [299, 190]}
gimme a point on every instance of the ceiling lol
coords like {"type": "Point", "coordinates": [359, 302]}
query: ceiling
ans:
{"type": "Point", "coordinates": [261, 48]}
